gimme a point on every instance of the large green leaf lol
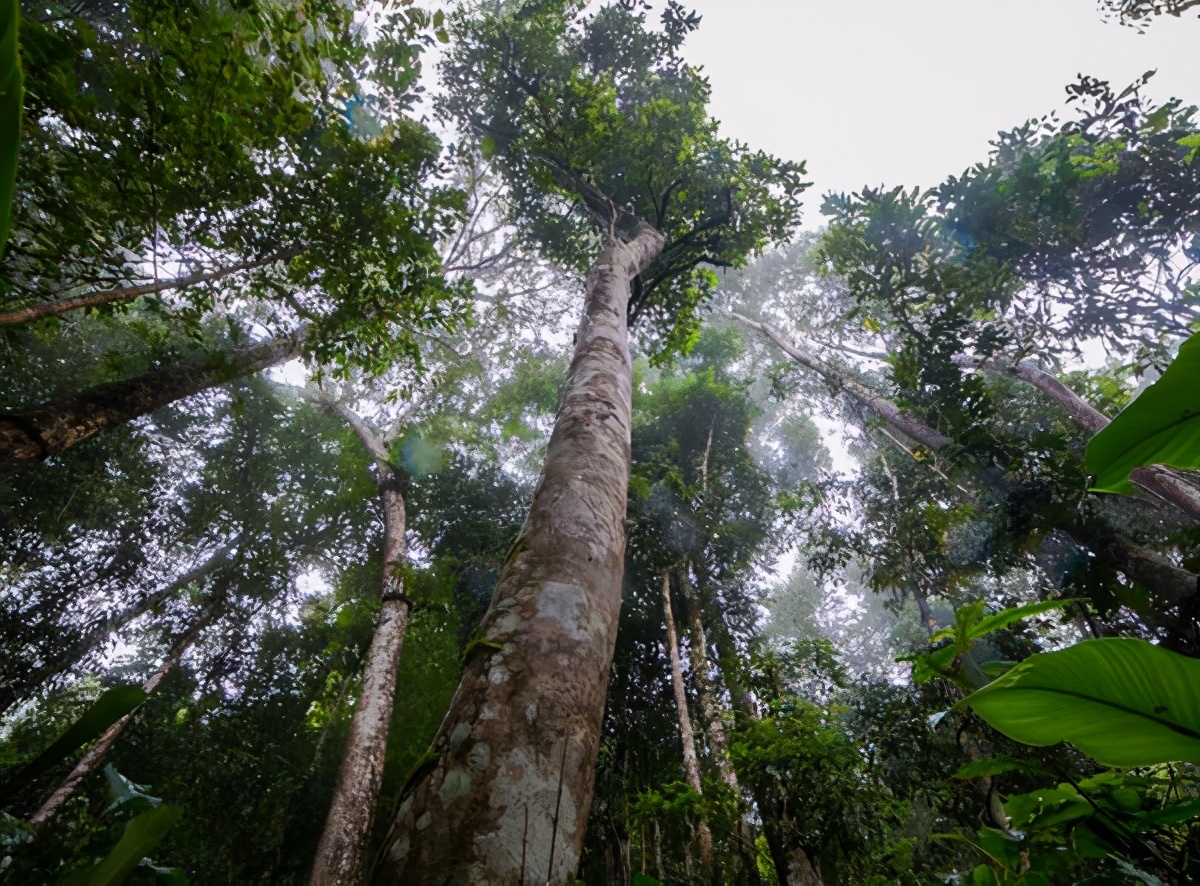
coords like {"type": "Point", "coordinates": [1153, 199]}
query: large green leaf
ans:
{"type": "Point", "coordinates": [1125, 702]}
{"type": "Point", "coordinates": [11, 95]}
{"type": "Point", "coordinates": [110, 707]}
{"type": "Point", "coordinates": [1160, 427]}
{"type": "Point", "coordinates": [140, 836]}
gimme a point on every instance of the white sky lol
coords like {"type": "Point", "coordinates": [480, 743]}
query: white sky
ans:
{"type": "Point", "coordinates": [908, 92]}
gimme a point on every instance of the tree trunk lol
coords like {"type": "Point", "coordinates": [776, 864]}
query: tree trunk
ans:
{"type": "Point", "coordinates": [691, 763]}
{"type": "Point", "coordinates": [791, 862]}
{"type": "Point", "coordinates": [881, 406]}
{"type": "Point", "coordinates": [503, 796]}
{"type": "Point", "coordinates": [341, 852]}
{"type": "Point", "coordinates": [18, 689]}
{"type": "Point", "coordinates": [715, 714]}
{"type": "Point", "coordinates": [1155, 478]}
{"type": "Point", "coordinates": [801, 869]}
{"type": "Point", "coordinates": [710, 706]}
{"type": "Point", "coordinates": [91, 761]}
{"type": "Point", "coordinates": [48, 430]}
{"type": "Point", "coordinates": [129, 293]}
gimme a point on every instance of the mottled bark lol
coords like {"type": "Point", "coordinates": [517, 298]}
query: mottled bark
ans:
{"type": "Point", "coordinates": [341, 852]}
{"type": "Point", "coordinates": [20, 687]}
{"type": "Point", "coordinates": [710, 705]}
{"type": "Point", "coordinates": [91, 761]}
{"type": "Point", "coordinates": [502, 797]}
{"type": "Point", "coordinates": [881, 406]}
{"type": "Point", "coordinates": [1155, 479]}
{"type": "Point", "coordinates": [129, 293]}
{"type": "Point", "coordinates": [801, 869]}
{"type": "Point", "coordinates": [48, 430]}
{"type": "Point", "coordinates": [691, 762]}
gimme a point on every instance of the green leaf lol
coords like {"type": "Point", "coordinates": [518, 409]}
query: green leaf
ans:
{"type": "Point", "coordinates": [1124, 702]}
{"type": "Point", "coordinates": [487, 147]}
{"type": "Point", "coordinates": [11, 95]}
{"type": "Point", "coordinates": [140, 837]}
{"type": "Point", "coordinates": [1175, 813]}
{"type": "Point", "coordinates": [1160, 427]}
{"type": "Point", "coordinates": [110, 707]}
{"type": "Point", "coordinates": [990, 766]}
{"type": "Point", "coordinates": [1005, 617]}
{"type": "Point", "coordinates": [122, 790]}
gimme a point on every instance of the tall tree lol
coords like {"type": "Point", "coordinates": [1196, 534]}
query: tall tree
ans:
{"type": "Point", "coordinates": [600, 110]}
{"type": "Point", "coordinates": [341, 852]}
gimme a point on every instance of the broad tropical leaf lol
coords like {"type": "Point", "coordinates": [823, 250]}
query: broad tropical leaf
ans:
{"type": "Point", "coordinates": [1124, 702]}
{"type": "Point", "coordinates": [110, 707]}
{"type": "Point", "coordinates": [140, 836]}
{"type": "Point", "coordinates": [1160, 427]}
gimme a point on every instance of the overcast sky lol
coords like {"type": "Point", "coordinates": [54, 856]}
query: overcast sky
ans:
{"type": "Point", "coordinates": [907, 92]}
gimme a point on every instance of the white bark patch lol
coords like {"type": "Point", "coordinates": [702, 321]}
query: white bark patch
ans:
{"type": "Point", "coordinates": [478, 757]}
{"type": "Point", "coordinates": [566, 606]}
{"type": "Point", "coordinates": [399, 849]}
{"type": "Point", "coordinates": [523, 783]}
{"type": "Point", "coordinates": [503, 626]}
{"type": "Point", "coordinates": [458, 735]}
{"type": "Point", "coordinates": [456, 784]}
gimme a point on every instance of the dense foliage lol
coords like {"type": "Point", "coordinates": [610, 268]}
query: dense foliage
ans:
{"type": "Point", "coordinates": [910, 589]}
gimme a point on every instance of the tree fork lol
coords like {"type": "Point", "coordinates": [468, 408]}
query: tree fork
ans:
{"type": "Point", "coordinates": [520, 739]}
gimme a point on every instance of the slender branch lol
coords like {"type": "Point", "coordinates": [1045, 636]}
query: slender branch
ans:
{"type": "Point", "coordinates": [129, 293]}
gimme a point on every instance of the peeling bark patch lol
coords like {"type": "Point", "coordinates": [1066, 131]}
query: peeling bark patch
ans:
{"type": "Point", "coordinates": [567, 606]}
{"type": "Point", "coordinates": [479, 757]}
{"type": "Point", "coordinates": [456, 784]}
{"type": "Point", "coordinates": [399, 849]}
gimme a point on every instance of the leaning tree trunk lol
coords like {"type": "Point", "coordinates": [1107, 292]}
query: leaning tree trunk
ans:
{"type": "Point", "coordinates": [129, 293]}
{"type": "Point", "coordinates": [18, 689]}
{"type": "Point", "coordinates": [502, 798]}
{"type": "Point", "coordinates": [691, 763]}
{"type": "Point", "coordinates": [341, 852]}
{"type": "Point", "coordinates": [91, 761]}
{"type": "Point", "coordinates": [1155, 478]}
{"type": "Point", "coordinates": [48, 430]}
{"type": "Point", "coordinates": [1154, 571]}
{"type": "Point", "coordinates": [884, 408]}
